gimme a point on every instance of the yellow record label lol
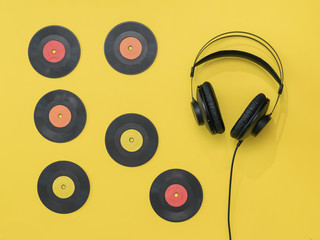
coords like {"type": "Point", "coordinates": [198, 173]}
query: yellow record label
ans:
{"type": "Point", "coordinates": [63, 187]}
{"type": "Point", "coordinates": [131, 140]}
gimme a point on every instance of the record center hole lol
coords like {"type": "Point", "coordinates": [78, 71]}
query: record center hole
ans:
{"type": "Point", "coordinates": [60, 115]}
{"type": "Point", "coordinates": [131, 139]}
{"type": "Point", "coordinates": [176, 195]}
{"type": "Point", "coordinates": [53, 51]}
{"type": "Point", "coordinates": [63, 186]}
{"type": "Point", "coordinates": [130, 48]}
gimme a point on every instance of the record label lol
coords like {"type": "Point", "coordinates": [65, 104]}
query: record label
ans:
{"type": "Point", "coordinates": [60, 116]}
{"type": "Point", "coordinates": [176, 195]}
{"type": "Point", "coordinates": [130, 48]}
{"type": "Point", "coordinates": [131, 140]}
{"type": "Point", "coordinates": [63, 187]}
{"type": "Point", "coordinates": [54, 51]}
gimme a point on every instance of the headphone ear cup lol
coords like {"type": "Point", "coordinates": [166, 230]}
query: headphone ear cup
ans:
{"type": "Point", "coordinates": [250, 117]}
{"type": "Point", "coordinates": [213, 107]}
{"type": "Point", "coordinates": [196, 110]}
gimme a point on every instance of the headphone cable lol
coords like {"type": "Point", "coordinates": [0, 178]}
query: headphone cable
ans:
{"type": "Point", "coordinates": [230, 183]}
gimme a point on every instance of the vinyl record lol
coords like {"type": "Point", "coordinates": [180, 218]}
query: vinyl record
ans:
{"type": "Point", "coordinates": [63, 187]}
{"type": "Point", "coordinates": [60, 116]}
{"type": "Point", "coordinates": [54, 51]}
{"type": "Point", "coordinates": [176, 195]}
{"type": "Point", "coordinates": [130, 48]}
{"type": "Point", "coordinates": [131, 140]}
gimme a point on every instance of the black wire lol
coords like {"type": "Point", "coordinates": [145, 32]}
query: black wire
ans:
{"type": "Point", "coordinates": [230, 183]}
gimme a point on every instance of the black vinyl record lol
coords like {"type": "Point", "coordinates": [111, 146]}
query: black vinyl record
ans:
{"type": "Point", "coordinates": [137, 126]}
{"type": "Point", "coordinates": [68, 170]}
{"type": "Point", "coordinates": [54, 51]}
{"type": "Point", "coordinates": [176, 195]}
{"type": "Point", "coordinates": [130, 48]}
{"type": "Point", "coordinates": [60, 116]}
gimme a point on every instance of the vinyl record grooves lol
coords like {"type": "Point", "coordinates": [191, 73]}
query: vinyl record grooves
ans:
{"type": "Point", "coordinates": [130, 48]}
{"type": "Point", "coordinates": [60, 116]}
{"type": "Point", "coordinates": [54, 51]}
{"type": "Point", "coordinates": [131, 140]}
{"type": "Point", "coordinates": [63, 187]}
{"type": "Point", "coordinates": [176, 195]}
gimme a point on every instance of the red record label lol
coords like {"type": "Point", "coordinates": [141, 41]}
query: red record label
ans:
{"type": "Point", "coordinates": [54, 51]}
{"type": "Point", "coordinates": [176, 195]}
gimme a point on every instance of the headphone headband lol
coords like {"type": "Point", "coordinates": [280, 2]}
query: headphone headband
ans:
{"type": "Point", "coordinates": [250, 36]}
{"type": "Point", "coordinates": [241, 54]}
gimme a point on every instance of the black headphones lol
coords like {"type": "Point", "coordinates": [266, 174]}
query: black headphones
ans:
{"type": "Point", "coordinates": [254, 118]}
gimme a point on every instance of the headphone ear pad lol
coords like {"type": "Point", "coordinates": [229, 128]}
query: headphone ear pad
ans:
{"type": "Point", "coordinates": [257, 107]}
{"type": "Point", "coordinates": [213, 107]}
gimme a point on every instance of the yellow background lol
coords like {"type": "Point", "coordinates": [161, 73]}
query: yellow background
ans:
{"type": "Point", "coordinates": [276, 193]}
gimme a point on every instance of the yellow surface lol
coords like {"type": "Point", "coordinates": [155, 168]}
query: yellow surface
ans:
{"type": "Point", "coordinates": [276, 192]}
{"type": "Point", "coordinates": [63, 187]}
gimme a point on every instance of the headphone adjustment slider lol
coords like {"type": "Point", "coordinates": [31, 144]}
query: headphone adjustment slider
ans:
{"type": "Point", "coordinates": [280, 88]}
{"type": "Point", "coordinates": [192, 71]}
